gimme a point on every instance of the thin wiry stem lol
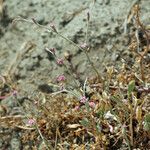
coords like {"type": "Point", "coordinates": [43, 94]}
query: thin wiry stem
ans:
{"type": "Point", "coordinates": [49, 29]}
{"type": "Point", "coordinates": [139, 24]}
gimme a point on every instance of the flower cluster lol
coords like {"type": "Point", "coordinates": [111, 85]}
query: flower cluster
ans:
{"type": "Point", "coordinates": [31, 122]}
{"type": "Point", "coordinates": [92, 104]}
{"type": "Point", "coordinates": [83, 99]}
{"type": "Point", "coordinates": [61, 78]}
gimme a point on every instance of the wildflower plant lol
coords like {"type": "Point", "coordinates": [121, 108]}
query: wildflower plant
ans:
{"type": "Point", "coordinates": [109, 112]}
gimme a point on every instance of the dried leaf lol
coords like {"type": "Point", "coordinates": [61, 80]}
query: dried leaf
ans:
{"type": "Point", "coordinates": [139, 113]}
{"type": "Point", "coordinates": [73, 126]}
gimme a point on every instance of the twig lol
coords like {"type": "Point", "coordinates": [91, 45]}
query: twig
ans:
{"type": "Point", "coordinates": [56, 139]}
{"type": "Point", "coordinates": [42, 137]}
{"type": "Point", "coordinates": [139, 89]}
{"type": "Point", "coordinates": [24, 128]}
{"type": "Point", "coordinates": [12, 117]}
{"type": "Point", "coordinates": [139, 24]}
{"type": "Point", "coordinates": [131, 124]}
{"type": "Point", "coordinates": [130, 15]}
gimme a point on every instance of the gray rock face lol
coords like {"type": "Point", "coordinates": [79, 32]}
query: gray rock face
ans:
{"type": "Point", "coordinates": [15, 144]}
{"type": "Point", "coordinates": [9, 101]}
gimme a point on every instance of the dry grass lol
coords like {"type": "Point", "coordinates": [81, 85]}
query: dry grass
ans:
{"type": "Point", "coordinates": [1, 7]}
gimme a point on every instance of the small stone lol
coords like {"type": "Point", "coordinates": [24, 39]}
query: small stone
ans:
{"type": "Point", "coordinates": [1, 143]}
{"type": "Point", "coordinates": [15, 144]}
{"type": "Point", "coordinates": [9, 102]}
{"type": "Point", "coordinates": [2, 110]}
{"type": "Point", "coordinates": [115, 56]}
{"type": "Point", "coordinates": [42, 146]}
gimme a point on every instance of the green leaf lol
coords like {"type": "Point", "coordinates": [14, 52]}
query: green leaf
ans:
{"type": "Point", "coordinates": [98, 127]}
{"type": "Point", "coordinates": [131, 87]}
{"type": "Point", "coordinates": [147, 118]}
{"type": "Point", "coordinates": [87, 106]}
{"type": "Point", "coordinates": [100, 113]}
{"type": "Point", "coordinates": [84, 122]}
{"type": "Point", "coordinates": [147, 122]}
{"type": "Point", "coordinates": [147, 126]}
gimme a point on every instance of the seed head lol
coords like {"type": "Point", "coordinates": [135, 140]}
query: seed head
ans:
{"type": "Point", "coordinates": [51, 50]}
{"type": "Point", "coordinates": [53, 27]}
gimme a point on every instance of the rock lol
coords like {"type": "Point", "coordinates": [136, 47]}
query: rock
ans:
{"type": "Point", "coordinates": [42, 146]}
{"type": "Point", "coordinates": [1, 143]}
{"type": "Point", "coordinates": [9, 102]}
{"type": "Point", "coordinates": [2, 110]}
{"type": "Point", "coordinates": [46, 63]}
{"type": "Point", "coordinates": [15, 144]}
{"type": "Point", "coordinates": [45, 88]}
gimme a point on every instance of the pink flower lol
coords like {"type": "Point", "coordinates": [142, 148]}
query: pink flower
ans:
{"type": "Point", "coordinates": [76, 108]}
{"type": "Point", "coordinates": [61, 78]}
{"type": "Point", "coordinates": [92, 104]}
{"type": "Point", "coordinates": [83, 99]}
{"type": "Point", "coordinates": [84, 46]}
{"type": "Point", "coordinates": [31, 122]}
{"type": "Point", "coordinates": [35, 102]}
{"type": "Point", "coordinates": [60, 61]}
{"type": "Point", "coordinates": [14, 93]}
